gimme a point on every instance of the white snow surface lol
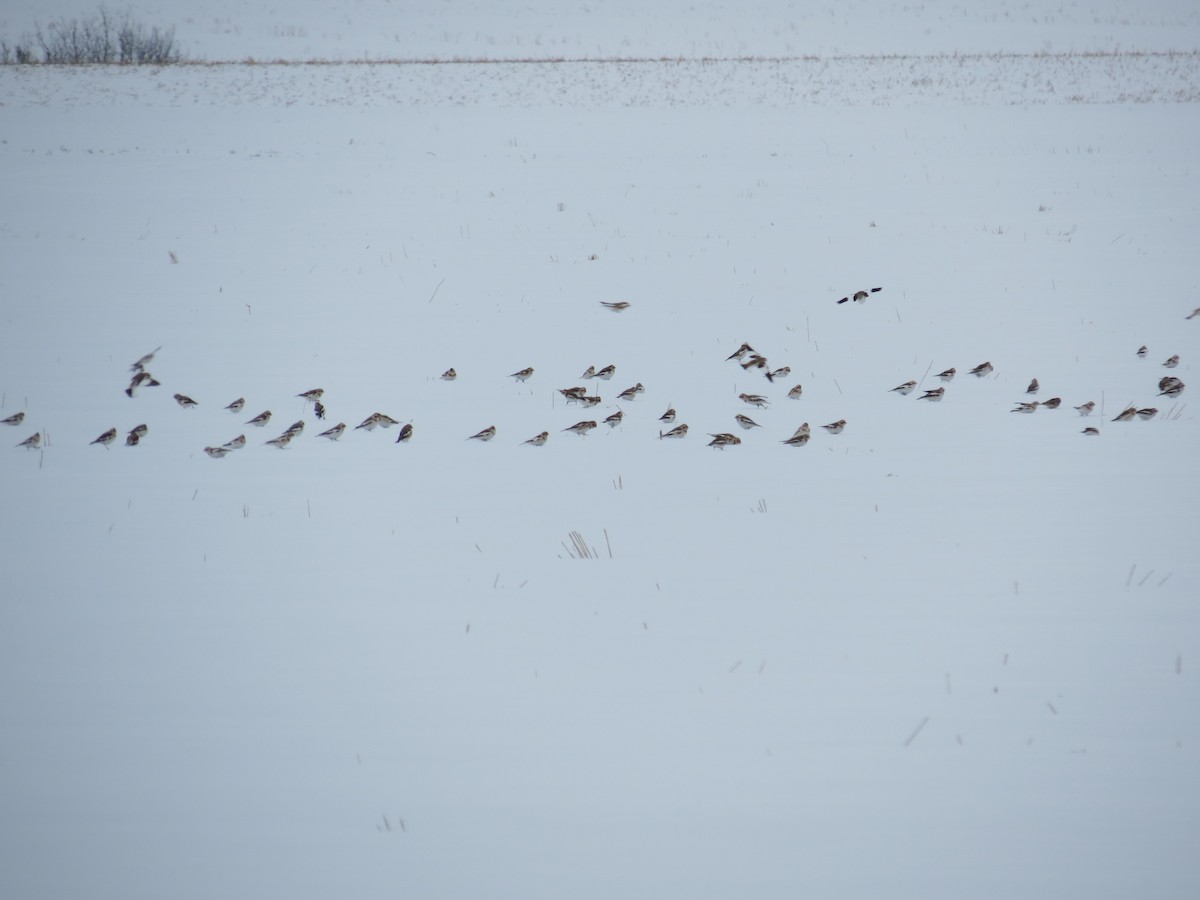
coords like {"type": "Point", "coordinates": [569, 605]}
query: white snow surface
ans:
{"type": "Point", "coordinates": [951, 652]}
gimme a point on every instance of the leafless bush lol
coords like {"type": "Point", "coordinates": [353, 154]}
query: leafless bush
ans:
{"type": "Point", "coordinates": [103, 38]}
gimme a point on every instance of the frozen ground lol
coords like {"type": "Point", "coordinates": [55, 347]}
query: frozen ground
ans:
{"type": "Point", "coordinates": [950, 652]}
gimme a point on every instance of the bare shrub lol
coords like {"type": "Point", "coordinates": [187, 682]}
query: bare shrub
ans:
{"type": "Point", "coordinates": [103, 38]}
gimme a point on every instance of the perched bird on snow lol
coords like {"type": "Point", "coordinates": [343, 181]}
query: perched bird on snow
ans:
{"type": "Point", "coordinates": [589, 372]}
{"type": "Point", "coordinates": [1052, 403]}
{"type": "Point", "coordinates": [1172, 362]}
{"type": "Point", "coordinates": [1143, 351]}
{"type": "Point", "coordinates": [803, 429]}
{"type": "Point", "coordinates": [261, 419]}
{"type": "Point", "coordinates": [486, 435]}
{"type": "Point", "coordinates": [295, 429]}
{"type": "Point", "coordinates": [538, 440]}
{"type": "Point", "coordinates": [678, 431]}
{"type": "Point", "coordinates": [615, 419]}
{"type": "Point", "coordinates": [1091, 431]}
{"type": "Point", "coordinates": [406, 433]}
{"type": "Point", "coordinates": [754, 400]}
{"type": "Point", "coordinates": [982, 369]}
{"type": "Point", "coordinates": [1126, 415]}
{"type": "Point", "coordinates": [746, 422]}
{"type": "Point", "coordinates": [14, 419]}
{"type": "Point", "coordinates": [1173, 388]}
{"type": "Point", "coordinates": [948, 375]}
{"type": "Point", "coordinates": [723, 440]}
{"type": "Point", "coordinates": [282, 441]}
{"type": "Point", "coordinates": [236, 444]}
{"type": "Point", "coordinates": [573, 393]}
{"type": "Point", "coordinates": [1033, 387]}
{"type": "Point", "coordinates": [618, 306]}
{"type": "Point", "coordinates": [796, 393]}
{"type": "Point", "coordinates": [581, 428]}
{"type": "Point", "coordinates": [739, 353]}
{"type": "Point", "coordinates": [1085, 409]}
{"type": "Point", "coordinates": [904, 389]}
{"type": "Point", "coordinates": [312, 396]}
{"type": "Point", "coordinates": [782, 372]}
{"type": "Point", "coordinates": [798, 439]}
{"type": "Point", "coordinates": [217, 452]}
{"type": "Point", "coordinates": [449, 375]}
{"type": "Point", "coordinates": [333, 433]}
{"type": "Point", "coordinates": [1026, 407]}
{"type": "Point", "coordinates": [591, 401]}
{"type": "Point", "coordinates": [523, 374]}
{"type": "Point", "coordinates": [668, 416]}
{"type": "Point", "coordinates": [236, 405]}
{"type": "Point", "coordinates": [135, 436]}
{"type": "Point", "coordinates": [861, 296]}
{"type": "Point", "coordinates": [835, 427]}
{"type": "Point", "coordinates": [32, 442]}
{"type": "Point", "coordinates": [631, 393]}
{"type": "Point", "coordinates": [1148, 413]}
{"type": "Point", "coordinates": [935, 395]}
{"type": "Point", "coordinates": [107, 438]}
{"type": "Point", "coordinates": [371, 422]}
{"type": "Point", "coordinates": [607, 372]}
{"type": "Point", "coordinates": [185, 401]}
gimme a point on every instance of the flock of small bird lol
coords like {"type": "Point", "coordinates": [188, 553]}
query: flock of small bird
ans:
{"type": "Point", "coordinates": [745, 356]}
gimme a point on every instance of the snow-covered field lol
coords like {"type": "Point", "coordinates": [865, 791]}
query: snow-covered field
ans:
{"type": "Point", "coordinates": [951, 652]}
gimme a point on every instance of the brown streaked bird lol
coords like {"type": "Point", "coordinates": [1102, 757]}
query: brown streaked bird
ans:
{"type": "Point", "coordinates": [861, 296]}
{"type": "Point", "coordinates": [107, 438]}
{"type": "Point", "coordinates": [948, 374]}
{"type": "Point", "coordinates": [723, 440]}
{"type": "Point", "coordinates": [754, 400]}
{"type": "Point", "coordinates": [835, 427]}
{"type": "Point", "coordinates": [236, 444]}
{"type": "Point", "coordinates": [803, 429]}
{"type": "Point", "coordinates": [936, 394]}
{"type": "Point", "coordinates": [319, 410]}
{"type": "Point", "coordinates": [1026, 407]}
{"type": "Point", "coordinates": [1143, 351]}
{"type": "Point", "coordinates": [538, 440]}
{"type": "Point", "coordinates": [1147, 414]}
{"type": "Point", "coordinates": [618, 306]}
{"type": "Point", "coordinates": [236, 405]}
{"type": "Point", "coordinates": [135, 435]}
{"type": "Point", "coordinates": [14, 419]}
{"type": "Point", "coordinates": [581, 428]}
{"type": "Point", "coordinates": [798, 439]}
{"type": "Point", "coordinates": [590, 401]}
{"type": "Point", "coordinates": [631, 393]}
{"type": "Point", "coordinates": [1126, 415]}
{"type": "Point", "coordinates": [755, 362]}
{"type": "Point", "coordinates": [615, 419]}
{"type": "Point", "coordinates": [573, 393]}
{"type": "Point", "coordinates": [1033, 387]}
{"type": "Point", "coordinates": [1085, 409]}
{"type": "Point", "coordinates": [406, 433]}
{"type": "Point", "coordinates": [140, 380]}
{"type": "Point", "coordinates": [796, 393]}
{"type": "Point", "coordinates": [589, 372]}
{"type": "Point", "coordinates": [312, 396]}
{"type": "Point", "coordinates": [679, 431]}
{"type": "Point", "coordinates": [904, 389]}
{"type": "Point", "coordinates": [486, 435]}
{"type": "Point", "coordinates": [33, 442]}
{"type": "Point", "coordinates": [282, 441]}
{"type": "Point", "coordinates": [746, 422]}
{"type": "Point", "coordinates": [217, 452]}
{"type": "Point", "coordinates": [739, 353]}
{"type": "Point", "coordinates": [523, 374]}
{"type": "Point", "coordinates": [448, 375]}
{"type": "Point", "coordinates": [782, 372]}
{"type": "Point", "coordinates": [261, 419]}
{"type": "Point", "coordinates": [141, 364]}
{"type": "Point", "coordinates": [982, 369]}
{"type": "Point", "coordinates": [1052, 403]}
{"type": "Point", "coordinates": [333, 433]}
{"type": "Point", "coordinates": [607, 372]}
{"type": "Point", "coordinates": [185, 401]}
{"type": "Point", "coordinates": [668, 416]}
{"type": "Point", "coordinates": [1173, 388]}
{"type": "Point", "coordinates": [1091, 430]}
{"type": "Point", "coordinates": [1172, 361]}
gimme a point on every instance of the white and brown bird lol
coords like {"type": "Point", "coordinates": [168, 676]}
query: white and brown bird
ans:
{"type": "Point", "coordinates": [319, 410]}
{"type": "Point", "coordinates": [796, 393]}
{"type": "Point", "coordinates": [982, 369]}
{"type": "Point", "coordinates": [32, 442]}
{"type": "Point", "coordinates": [140, 380]}
{"type": "Point", "coordinates": [631, 393]}
{"type": "Point", "coordinates": [107, 438]}
{"type": "Point", "coordinates": [803, 429]}
{"type": "Point", "coordinates": [746, 422]}
{"type": "Point", "coordinates": [723, 440]}
{"type": "Point", "coordinates": [668, 416]}
{"type": "Point", "coordinates": [185, 401]}
{"type": "Point", "coordinates": [679, 431]}
{"type": "Point", "coordinates": [573, 393]}
{"type": "Point", "coordinates": [1052, 403]}
{"type": "Point", "coordinates": [1091, 430]}
{"type": "Point", "coordinates": [1033, 388]}
{"type": "Point", "coordinates": [589, 372]}
{"type": "Point", "coordinates": [798, 440]}
{"type": "Point", "coordinates": [904, 389]}
{"type": "Point", "coordinates": [295, 429]}
{"type": "Point", "coordinates": [449, 375]}
{"type": "Point", "coordinates": [936, 394]}
{"type": "Point", "coordinates": [835, 427]}
{"type": "Point", "coordinates": [617, 306]}
{"type": "Point", "coordinates": [261, 419]}
{"type": "Point", "coordinates": [236, 444]}
{"type": "Point", "coordinates": [754, 362]}
{"type": "Point", "coordinates": [591, 400]}
{"type": "Point", "coordinates": [14, 420]}
{"type": "Point", "coordinates": [538, 440]}
{"type": "Point", "coordinates": [1126, 415]}
{"type": "Point", "coordinates": [370, 423]}
{"type": "Point", "coordinates": [1085, 409]}
{"type": "Point", "coordinates": [1143, 351]}
{"type": "Point", "coordinates": [754, 400]}
{"type": "Point", "coordinates": [135, 435]}
{"type": "Point", "coordinates": [860, 296]}
{"type": "Point", "coordinates": [948, 374]}
{"type": "Point", "coordinates": [282, 441]}
{"type": "Point", "coordinates": [1147, 414]}
{"type": "Point", "coordinates": [312, 396]}
{"type": "Point", "coordinates": [581, 428]}
{"type": "Point", "coordinates": [615, 419]}
{"type": "Point", "coordinates": [217, 452]}
{"type": "Point", "coordinates": [523, 374]}
{"type": "Point", "coordinates": [781, 372]}
{"type": "Point", "coordinates": [1026, 407]}
{"type": "Point", "coordinates": [486, 435]}
{"type": "Point", "coordinates": [141, 364]}
{"type": "Point", "coordinates": [236, 405]}
{"type": "Point", "coordinates": [607, 372]}
{"type": "Point", "coordinates": [406, 433]}
{"type": "Point", "coordinates": [335, 432]}
{"type": "Point", "coordinates": [1173, 387]}
{"type": "Point", "coordinates": [1172, 361]}
{"type": "Point", "coordinates": [739, 353]}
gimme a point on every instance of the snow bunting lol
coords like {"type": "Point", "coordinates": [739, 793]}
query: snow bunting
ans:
{"type": "Point", "coordinates": [538, 439]}
{"type": "Point", "coordinates": [236, 405]}
{"type": "Point", "coordinates": [982, 369]}
{"type": "Point", "coordinates": [486, 435]}
{"type": "Point", "coordinates": [1090, 430]}
{"type": "Point", "coordinates": [135, 436]}
{"type": "Point", "coordinates": [861, 296]}
{"type": "Point", "coordinates": [32, 442]}
{"type": "Point", "coordinates": [449, 375]}
{"type": "Point", "coordinates": [107, 438]}
{"type": "Point", "coordinates": [678, 431]}
{"type": "Point", "coordinates": [333, 433]}
{"type": "Point", "coordinates": [615, 419]}
{"type": "Point", "coordinates": [1052, 403]}
{"type": "Point", "coordinates": [282, 441]}
{"type": "Point", "coordinates": [904, 389]}
{"type": "Point", "coordinates": [1168, 381]}
{"type": "Point", "coordinates": [1142, 351]}
{"type": "Point", "coordinates": [140, 430]}
{"type": "Point", "coordinates": [1173, 389]}
{"type": "Point", "coordinates": [581, 428]}
{"type": "Point", "coordinates": [141, 379]}
{"type": "Point", "coordinates": [796, 393]}
{"type": "Point", "coordinates": [1147, 414]}
{"type": "Point", "coordinates": [261, 419]}
{"type": "Point", "coordinates": [236, 444]}
{"type": "Point", "coordinates": [782, 372]}
{"type": "Point", "coordinates": [935, 395]}
{"type": "Point", "coordinates": [723, 440]}
{"type": "Point", "coordinates": [573, 393]}
{"type": "Point", "coordinates": [607, 372]}
{"type": "Point", "coordinates": [619, 306]}
{"type": "Point", "coordinates": [746, 422]}
{"type": "Point", "coordinates": [14, 419]}
{"type": "Point", "coordinates": [217, 452]}
{"type": "Point", "coordinates": [803, 429]}
{"type": "Point", "coordinates": [1085, 409]}
{"type": "Point", "coordinates": [755, 362]}
{"type": "Point", "coordinates": [739, 353]}
{"type": "Point", "coordinates": [590, 401]}
{"type": "Point", "coordinates": [1033, 387]}
{"type": "Point", "coordinates": [798, 440]}
{"type": "Point", "coordinates": [754, 400]}
{"type": "Point", "coordinates": [385, 421]}
{"type": "Point", "coordinates": [141, 364]}
{"type": "Point", "coordinates": [185, 401]}
{"type": "Point", "coordinates": [1126, 415]}
{"type": "Point", "coordinates": [589, 372]}
{"type": "Point", "coordinates": [631, 393]}
{"type": "Point", "coordinates": [370, 423]}
{"type": "Point", "coordinates": [296, 428]}
{"type": "Point", "coordinates": [1026, 407]}
{"type": "Point", "coordinates": [1172, 362]}
{"type": "Point", "coordinates": [312, 396]}
{"type": "Point", "coordinates": [835, 427]}
{"type": "Point", "coordinates": [948, 375]}
{"type": "Point", "coordinates": [406, 433]}
{"type": "Point", "coordinates": [668, 416]}
{"type": "Point", "coordinates": [523, 374]}
{"type": "Point", "coordinates": [319, 410]}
